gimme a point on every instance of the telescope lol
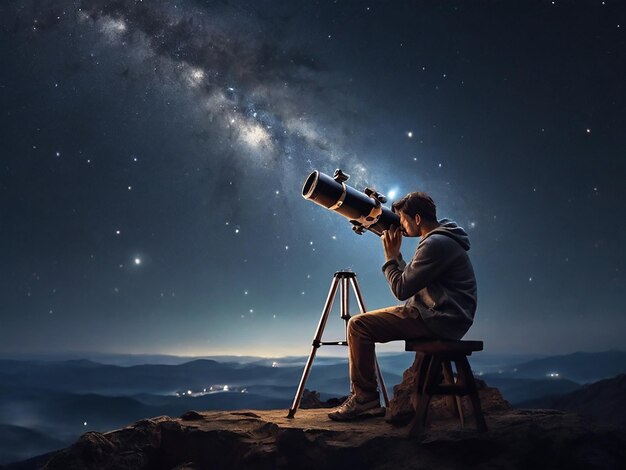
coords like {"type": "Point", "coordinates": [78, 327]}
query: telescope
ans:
{"type": "Point", "coordinates": [364, 210]}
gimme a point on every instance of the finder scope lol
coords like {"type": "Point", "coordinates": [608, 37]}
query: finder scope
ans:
{"type": "Point", "coordinates": [365, 209]}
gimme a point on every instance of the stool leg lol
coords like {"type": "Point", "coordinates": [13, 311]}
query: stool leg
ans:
{"type": "Point", "coordinates": [421, 368]}
{"type": "Point", "coordinates": [465, 372]}
{"type": "Point", "coordinates": [433, 378]}
{"type": "Point", "coordinates": [454, 402]}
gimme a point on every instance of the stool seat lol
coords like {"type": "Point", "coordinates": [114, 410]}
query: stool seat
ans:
{"type": "Point", "coordinates": [440, 346]}
{"type": "Point", "coordinates": [434, 358]}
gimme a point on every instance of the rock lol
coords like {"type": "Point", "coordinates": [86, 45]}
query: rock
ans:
{"type": "Point", "coordinates": [311, 399]}
{"type": "Point", "coordinates": [269, 440]}
{"type": "Point", "coordinates": [131, 447]}
{"type": "Point", "coordinates": [191, 416]}
{"type": "Point", "coordinates": [400, 410]}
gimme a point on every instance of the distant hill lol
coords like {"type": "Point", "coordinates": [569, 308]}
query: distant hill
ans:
{"type": "Point", "coordinates": [582, 367]}
{"type": "Point", "coordinates": [603, 401]}
{"type": "Point", "coordinates": [517, 390]}
{"type": "Point", "coordinates": [18, 443]}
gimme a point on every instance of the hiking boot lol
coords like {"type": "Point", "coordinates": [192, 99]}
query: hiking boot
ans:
{"type": "Point", "coordinates": [352, 409]}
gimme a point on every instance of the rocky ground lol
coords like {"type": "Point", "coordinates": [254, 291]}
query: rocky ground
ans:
{"type": "Point", "coordinates": [517, 439]}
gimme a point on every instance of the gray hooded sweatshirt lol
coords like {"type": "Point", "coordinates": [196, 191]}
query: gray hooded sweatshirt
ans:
{"type": "Point", "coordinates": [439, 283]}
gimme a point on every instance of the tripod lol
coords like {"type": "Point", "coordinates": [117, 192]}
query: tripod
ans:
{"type": "Point", "coordinates": [344, 277]}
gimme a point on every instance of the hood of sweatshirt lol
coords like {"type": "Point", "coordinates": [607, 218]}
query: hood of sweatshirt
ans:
{"type": "Point", "coordinates": [451, 229]}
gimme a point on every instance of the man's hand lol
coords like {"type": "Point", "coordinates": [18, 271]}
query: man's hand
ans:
{"type": "Point", "coordinates": [392, 239]}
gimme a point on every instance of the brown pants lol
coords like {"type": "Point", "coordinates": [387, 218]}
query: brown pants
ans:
{"type": "Point", "coordinates": [377, 326]}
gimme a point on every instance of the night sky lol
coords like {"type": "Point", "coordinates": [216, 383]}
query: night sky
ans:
{"type": "Point", "coordinates": [153, 155]}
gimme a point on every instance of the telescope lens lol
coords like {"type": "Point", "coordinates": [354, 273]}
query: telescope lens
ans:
{"type": "Point", "coordinates": [309, 184]}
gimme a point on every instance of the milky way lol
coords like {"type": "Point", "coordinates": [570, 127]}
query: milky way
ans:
{"type": "Point", "coordinates": [153, 155]}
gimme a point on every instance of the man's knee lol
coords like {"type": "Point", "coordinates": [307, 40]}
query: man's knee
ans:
{"type": "Point", "coordinates": [357, 326]}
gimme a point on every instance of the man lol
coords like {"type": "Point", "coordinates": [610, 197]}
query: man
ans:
{"type": "Point", "coordinates": [438, 285]}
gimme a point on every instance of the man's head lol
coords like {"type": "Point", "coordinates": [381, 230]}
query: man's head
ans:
{"type": "Point", "coordinates": [416, 210]}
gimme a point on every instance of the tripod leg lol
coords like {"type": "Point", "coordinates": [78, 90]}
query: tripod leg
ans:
{"type": "Point", "coordinates": [359, 299]}
{"type": "Point", "coordinates": [316, 344]}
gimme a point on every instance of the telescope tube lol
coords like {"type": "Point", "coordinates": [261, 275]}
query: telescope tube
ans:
{"type": "Point", "coordinates": [364, 210]}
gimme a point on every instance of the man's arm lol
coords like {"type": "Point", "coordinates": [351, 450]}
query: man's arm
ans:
{"type": "Point", "coordinates": [430, 260]}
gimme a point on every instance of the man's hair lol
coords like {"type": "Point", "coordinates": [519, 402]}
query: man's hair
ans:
{"type": "Point", "coordinates": [417, 203]}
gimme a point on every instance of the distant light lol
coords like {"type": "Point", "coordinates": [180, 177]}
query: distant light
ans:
{"type": "Point", "coordinates": [392, 193]}
{"type": "Point", "coordinates": [274, 364]}
{"type": "Point", "coordinates": [334, 237]}
{"type": "Point", "coordinates": [85, 423]}
{"type": "Point", "coordinates": [204, 390]}
{"type": "Point", "coordinates": [588, 131]}
{"type": "Point", "coordinates": [117, 232]}
{"type": "Point", "coordinates": [188, 392]}
{"type": "Point", "coordinates": [409, 134]}
{"type": "Point", "coordinates": [137, 261]}
{"type": "Point", "coordinates": [226, 388]}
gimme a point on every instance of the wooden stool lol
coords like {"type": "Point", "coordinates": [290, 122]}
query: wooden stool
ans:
{"type": "Point", "coordinates": [435, 357]}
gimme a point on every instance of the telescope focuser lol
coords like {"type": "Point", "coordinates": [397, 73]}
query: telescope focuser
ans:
{"type": "Point", "coordinates": [340, 177]}
{"type": "Point", "coordinates": [376, 195]}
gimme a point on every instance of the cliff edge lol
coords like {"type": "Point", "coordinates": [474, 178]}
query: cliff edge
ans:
{"type": "Point", "coordinates": [269, 440]}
